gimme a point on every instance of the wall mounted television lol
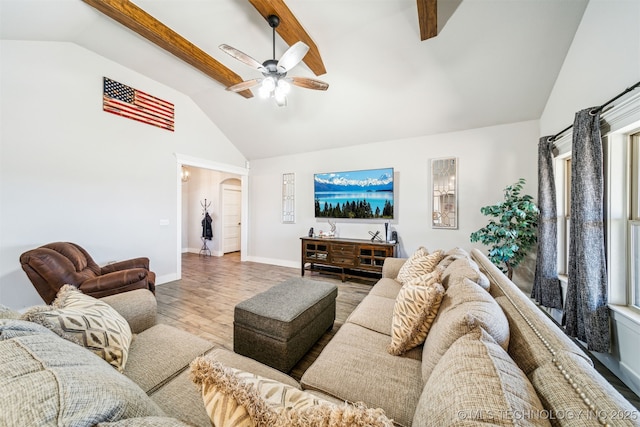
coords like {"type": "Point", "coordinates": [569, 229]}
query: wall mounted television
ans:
{"type": "Point", "coordinates": [360, 194]}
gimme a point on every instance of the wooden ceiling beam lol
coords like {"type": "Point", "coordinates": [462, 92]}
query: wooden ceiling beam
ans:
{"type": "Point", "coordinates": [291, 31]}
{"type": "Point", "coordinates": [428, 18]}
{"type": "Point", "coordinates": [139, 21]}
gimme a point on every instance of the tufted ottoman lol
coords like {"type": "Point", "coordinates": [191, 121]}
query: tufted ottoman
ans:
{"type": "Point", "coordinates": [277, 327]}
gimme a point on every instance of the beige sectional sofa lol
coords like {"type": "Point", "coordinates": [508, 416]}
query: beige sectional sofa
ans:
{"type": "Point", "coordinates": [490, 357]}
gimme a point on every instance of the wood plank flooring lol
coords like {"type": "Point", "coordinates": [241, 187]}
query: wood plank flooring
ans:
{"type": "Point", "coordinates": [202, 302]}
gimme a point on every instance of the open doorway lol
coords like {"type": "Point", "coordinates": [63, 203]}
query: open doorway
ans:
{"type": "Point", "coordinates": [218, 194]}
{"type": "Point", "coordinates": [219, 190]}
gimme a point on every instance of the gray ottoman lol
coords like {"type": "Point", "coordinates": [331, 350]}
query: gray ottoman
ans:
{"type": "Point", "coordinates": [277, 327]}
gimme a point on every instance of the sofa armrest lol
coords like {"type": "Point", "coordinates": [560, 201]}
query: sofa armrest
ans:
{"type": "Point", "coordinates": [141, 262]}
{"type": "Point", "coordinates": [138, 307]}
{"type": "Point", "coordinates": [391, 267]}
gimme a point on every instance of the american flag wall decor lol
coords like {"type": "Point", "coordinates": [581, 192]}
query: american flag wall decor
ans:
{"type": "Point", "coordinates": [128, 102]}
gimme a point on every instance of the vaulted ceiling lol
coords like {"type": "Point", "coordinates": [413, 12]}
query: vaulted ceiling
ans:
{"type": "Point", "coordinates": [492, 62]}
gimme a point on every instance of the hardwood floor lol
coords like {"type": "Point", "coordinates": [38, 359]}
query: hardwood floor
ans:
{"type": "Point", "coordinates": [202, 302]}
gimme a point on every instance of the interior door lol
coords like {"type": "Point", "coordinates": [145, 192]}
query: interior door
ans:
{"type": "Point", "coordinates": [231, 215]}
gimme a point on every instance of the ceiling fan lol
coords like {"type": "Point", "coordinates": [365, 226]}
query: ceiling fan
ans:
{"type": "Point", "coordinates": [275, 82]}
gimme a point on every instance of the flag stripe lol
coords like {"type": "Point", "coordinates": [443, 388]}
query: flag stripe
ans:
{"type": "Point", "coordinates": [127, 110]}
{"type": "Point", "coordinates": [131, 103]}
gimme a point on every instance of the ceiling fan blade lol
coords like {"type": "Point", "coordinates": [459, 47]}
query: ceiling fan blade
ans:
{"type": "Point", "coordinates": [309, 83]}
{"type": "Point", "coordinates": [244, 85]}
{"type": "Point", "coordinates": [242, 57]}
{"type": "Point", "coordinates": [292, 56]}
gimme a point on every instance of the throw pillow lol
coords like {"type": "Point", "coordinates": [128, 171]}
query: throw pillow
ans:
{"type": "Point", "coordinates": [235, 398]}
{"type": "Point", "coordinates": [419, 264]}
{"type": "Point", "coordinates": [88, 322]}
{"type": "Point", "coordinates": [477, 383]}
{"type": "Point", "coordinates": [413, 313]}
{"type": "Point", "coordinates": [7, 313]}
{"type": "Point", "coordinates": [426, 279]}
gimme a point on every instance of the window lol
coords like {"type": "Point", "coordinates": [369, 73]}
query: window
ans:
{"type": "Point", "coordinates": [634, 224]}
{"type": "Point", "coordinates": [563, 201]}
{"type": "Point", "coordinates": [621, 149]}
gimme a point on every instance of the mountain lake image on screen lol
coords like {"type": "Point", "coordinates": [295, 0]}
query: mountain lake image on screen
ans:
{"type": "Point", "coordinates": [361, 194]}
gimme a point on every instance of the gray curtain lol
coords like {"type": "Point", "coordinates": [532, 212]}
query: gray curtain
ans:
{"type": "Point", "coordinates": [546, 285]}
{"type": "Point", "coordinates": [586, 311]}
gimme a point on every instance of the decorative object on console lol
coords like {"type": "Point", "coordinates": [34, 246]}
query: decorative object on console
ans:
{"type": "Point", "coordinates": [514, 233]}
{"type": "Point", "coordinates": [363, 194]}
{"type": "Point", "coordinates": [444, 188]}
{"type": "Point", "coordinates": [375, 236]}
{"type": "Point", "coordinates": [332, 225]}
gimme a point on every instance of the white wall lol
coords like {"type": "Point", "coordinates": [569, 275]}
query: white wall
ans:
{"type": "Point", "coordinates": [489, 160]}
{"type": "Point", "coordinates": [603, 60]}
{"type": "Point", "coordinates": [71, 172]}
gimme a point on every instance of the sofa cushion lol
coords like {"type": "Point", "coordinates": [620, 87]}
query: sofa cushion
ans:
{"type": "Point", "coordinates": [161, 352]}
{"type": "Point", "coordinates": [386, 287]}
{"type": "Point", "coordinates": [375, 313]}
{"type": "Point", "coordinates": [463, 268]}
{"type": "Point", "coordinates": [237, 398]}
{"type": "Point", "coordinates": [138, 307]}
{"type": "Point", "coordinates": [181, 399]}
{"type": "Point", "coordinates": [476, 382]}
{"type": "Point", "coordinates": [86, 321]}
{"type": "Point", "coordinates": [418, 264]}
{"type": "Point", "coordinates": [71, 385]}
{"type": "Point", "coordinates": [355, 366]}
{"type": "Point", "coordinates": [464, 306]}
{"type": "Point", "coordinates": [452, 255]}
{"type": "Point", "coordinates": [414, 311]}
{"type": "Point", "coordinates": [145, 422]}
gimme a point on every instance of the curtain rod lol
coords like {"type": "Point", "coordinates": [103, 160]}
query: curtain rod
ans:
{"type": "Point", "coordinates": [615, 98]}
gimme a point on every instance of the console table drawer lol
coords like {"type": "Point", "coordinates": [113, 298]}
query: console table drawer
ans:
{"type": "Point", "coordinates": [346, 261]}
{"type": "Point", "coordinates": [343, 249]}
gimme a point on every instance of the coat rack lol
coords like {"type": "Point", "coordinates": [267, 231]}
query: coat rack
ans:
{"type": "Point", "coordinates": [207, 229]}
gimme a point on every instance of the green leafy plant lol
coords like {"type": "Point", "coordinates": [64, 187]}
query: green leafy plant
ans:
{"type": "Point", "coordinates": [511, 231]}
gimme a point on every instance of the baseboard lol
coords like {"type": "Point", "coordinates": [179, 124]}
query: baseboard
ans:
{"type": "Point", "coordinates": [166, 278]}
{"type": "Point", "coordinates": [630, 378]}
{"type": "Point", "coordinates": [272, 261]}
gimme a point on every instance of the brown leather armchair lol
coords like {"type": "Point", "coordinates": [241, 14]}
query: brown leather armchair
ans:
{"type": "Point", "coordinates": [54, 265]}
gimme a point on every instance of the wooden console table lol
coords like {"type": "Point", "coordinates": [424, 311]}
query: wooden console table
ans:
{"type": "Point", "coordinates": [345, 257]}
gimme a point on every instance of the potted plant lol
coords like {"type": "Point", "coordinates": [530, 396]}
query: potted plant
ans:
{"type": "Point", "coordinates": [511, 231]}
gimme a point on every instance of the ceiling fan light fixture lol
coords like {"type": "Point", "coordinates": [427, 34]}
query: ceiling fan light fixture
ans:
{"type": "Point", "coordinates": [275, 84]}
{"type": "Point", "coordinates": [283, 87]}
{"type": "Point", "coordinates": [280, 98]}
